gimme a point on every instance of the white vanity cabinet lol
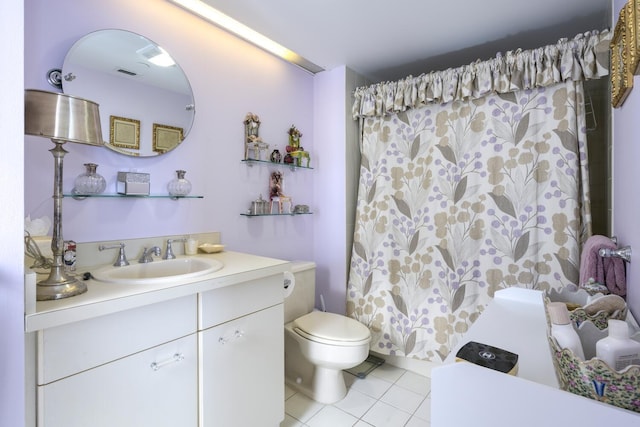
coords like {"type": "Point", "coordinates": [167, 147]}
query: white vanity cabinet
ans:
{"type": "Point", "coordinates": [242, 354]}
{"type": "Point", "coordinates": [137, 367]}
{"type": "Point", "coordinates": [190, 353]}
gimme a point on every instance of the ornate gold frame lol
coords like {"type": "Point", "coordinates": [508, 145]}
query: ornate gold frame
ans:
{"type": "Point", "coordinates": [166, 138]}
{"type": "Point", "coordinates": [124, 132]}
{"type": "Point", "coordinates": [633, 19]}
{"type": "Point", "coordinates": [623, 54]}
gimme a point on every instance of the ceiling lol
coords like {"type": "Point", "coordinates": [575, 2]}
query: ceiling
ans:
{"type": "Point", "coordinates": [385, 40]}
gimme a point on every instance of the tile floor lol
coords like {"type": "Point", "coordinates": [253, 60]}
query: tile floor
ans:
{"type": "Point", "coordinates": [387, 397]}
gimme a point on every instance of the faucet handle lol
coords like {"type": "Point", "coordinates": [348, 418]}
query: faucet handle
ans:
{"type": "Point", "coordinates": [122, 258]}
{"type": "Point", "coordinates": [168, 254]}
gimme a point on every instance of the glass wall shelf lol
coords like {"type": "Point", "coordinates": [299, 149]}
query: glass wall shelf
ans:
{"type": "Point", "coordinates": [130, 196]}
{"type": "Point", "coordinates": [277, 214]}
{"type": "Point", "coordinates": [292, 166]}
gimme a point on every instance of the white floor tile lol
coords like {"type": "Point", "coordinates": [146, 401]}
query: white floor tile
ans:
{"type": "Point", "coordinates": [372, 386]}
{"type": "Point", "coordinates": [424, 410]}
{"type": "Point", "coordinates": [414, 382]}
{"type": "Point", "coordinates": [388, 372]}
{"type": "Point", "coordinates": [403, 399]}
{"type": "Point", "coordinates": [356, 403]}
{"type": "Point", "coordinates": [289, 421]}
{"type": "Point", "coordinates": [349, 379]}
{"type": "Point", "coordinates": [301, 407]}
{"type": "Point", "coordinates": [417, 422]}
{"type": "Point", "coordinates": [330, 416]}
{"type": "Point", "coordinates": [387, 397]}
{"type": "Point", "coordinates": [288, 392]}
{"type": "Point", "coordinates": [385, 415]}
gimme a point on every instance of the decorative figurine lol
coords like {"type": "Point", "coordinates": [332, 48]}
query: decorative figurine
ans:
{"type": "Point", "coordinates": [252, 142]}
{"type": "Point", "coordinates": [276, 156]}
{"type": "Point", "coordinates": [275, 193]}
{"type": "Point", "coordinates": [288, 159]}
{"type": "Point", "coordinates": [294, 150]}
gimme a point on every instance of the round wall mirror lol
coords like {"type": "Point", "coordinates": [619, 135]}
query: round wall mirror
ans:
{"type": "Point", "coordinates": [146, 103]}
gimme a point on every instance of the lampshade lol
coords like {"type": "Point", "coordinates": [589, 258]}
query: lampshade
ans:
{"type": "Point", "coordinates": [62, 117]}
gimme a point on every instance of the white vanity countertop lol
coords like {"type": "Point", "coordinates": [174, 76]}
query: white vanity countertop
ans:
{"type": "Point", "coordinates": [465, 394]}
{"type": "Point", "coordinates": [515, 321]}
{"type": "Point", "coordinates": [103, 298]}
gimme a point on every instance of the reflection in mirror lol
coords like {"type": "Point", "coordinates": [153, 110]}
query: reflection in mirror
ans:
{"type": "Point", "coordinates": [146, 103]}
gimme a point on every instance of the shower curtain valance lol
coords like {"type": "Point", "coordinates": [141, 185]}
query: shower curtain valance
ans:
{"type": "Point", "coordinates": [584, 57]}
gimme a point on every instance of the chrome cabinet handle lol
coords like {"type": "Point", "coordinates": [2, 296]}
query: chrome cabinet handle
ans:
{"type": "Point", "coordinates": [174, 359]}
{"type": "Point", "coordinates": [237, 334]}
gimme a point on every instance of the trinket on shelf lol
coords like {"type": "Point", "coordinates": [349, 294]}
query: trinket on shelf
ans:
{"type": "Point", "coordinates": [294, 150]}
{"type": "Point", "coordinates": [253, 142]}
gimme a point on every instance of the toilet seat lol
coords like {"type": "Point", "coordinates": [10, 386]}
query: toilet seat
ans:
{"type": "Point", "coordinates": [332, 329]}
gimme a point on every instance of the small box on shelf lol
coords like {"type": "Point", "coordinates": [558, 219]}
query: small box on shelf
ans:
{"type": "Point", "coordinates": [133, 183]}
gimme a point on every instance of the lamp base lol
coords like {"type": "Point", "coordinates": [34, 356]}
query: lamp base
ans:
{"type": "Point", "coordinates": [58, 287]}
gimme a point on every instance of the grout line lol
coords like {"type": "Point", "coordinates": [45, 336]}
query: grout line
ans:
{"type": "Point", "coordinates": [377, 400]}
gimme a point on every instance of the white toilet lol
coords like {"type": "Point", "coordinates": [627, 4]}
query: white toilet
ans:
{"type": "Point", "coordinates": [319, 345]}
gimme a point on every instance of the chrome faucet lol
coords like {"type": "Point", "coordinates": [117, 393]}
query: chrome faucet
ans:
{"type": "Point", "coordinates": [168, 254]}
{"type": "Point", "coordinates": [122, 258]}
{"type": "Point", "coordinates": [146, 254]}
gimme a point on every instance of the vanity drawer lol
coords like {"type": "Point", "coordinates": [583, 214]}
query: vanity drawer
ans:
{"type": "Point", "coordinates": [155, 387]}
{"type": "Point", "coordinates": [224, 304]}
{"type": "Point", "coordinates": [75, 347]}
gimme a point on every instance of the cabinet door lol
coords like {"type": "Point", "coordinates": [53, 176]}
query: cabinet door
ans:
{"type": "Point", "coordinates": [157, 387]}
{"type": "Point", "coordinates": [242, 365]}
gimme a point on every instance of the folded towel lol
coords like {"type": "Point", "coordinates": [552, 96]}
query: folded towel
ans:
{"type": "Point", "coordinates": [609, 271]}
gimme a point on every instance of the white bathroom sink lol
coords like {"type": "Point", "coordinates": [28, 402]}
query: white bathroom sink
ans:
{"type": "Point", "coordinates": [158, 271]}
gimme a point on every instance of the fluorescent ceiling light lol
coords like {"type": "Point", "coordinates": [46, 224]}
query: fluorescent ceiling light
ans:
{"type": "Point", "coordinates": [163, 59]}
{"type": "Point", "coordinates": [156, 55]}
{"type": "Point", "coordinates": [227, 23]}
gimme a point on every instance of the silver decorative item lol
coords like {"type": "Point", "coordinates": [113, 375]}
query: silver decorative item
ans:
{"type": "Point", "coordinates": [62, 118]}
{"type": "Point", "coordinates": [179, 186]}
{"type": "Point", "coordinates": [89, 182]}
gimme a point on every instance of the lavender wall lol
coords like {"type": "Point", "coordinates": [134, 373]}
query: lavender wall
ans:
{"type": "Point", "coordinates": [229, 78]}
{"type": "Point", "coordinates": [626, 175]}
{"type": "Point", "coordinates": [336, 182]}
{"type": "Point", "coordinates": [12, 339]}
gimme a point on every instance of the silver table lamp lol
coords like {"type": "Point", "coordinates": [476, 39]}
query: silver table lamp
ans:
{"type": "Point", "coordinates": [62, 118]}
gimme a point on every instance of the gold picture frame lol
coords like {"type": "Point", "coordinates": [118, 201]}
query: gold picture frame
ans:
{"type": "Point", "coordinates": [623, 55]}
{"type": "Point", "coordinates": [633, 29]}
{"type": "Point", "coordinates": [166, 138]}
{"type": "Point", "coordinates": [124, 132]}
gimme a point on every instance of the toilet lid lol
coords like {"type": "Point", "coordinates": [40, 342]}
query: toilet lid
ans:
{"type": "Point", "coordinates": [332, 327]}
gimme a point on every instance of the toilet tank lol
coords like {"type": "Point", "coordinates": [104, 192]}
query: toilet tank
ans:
{"type": "Point", "coordinates": [302, 298]}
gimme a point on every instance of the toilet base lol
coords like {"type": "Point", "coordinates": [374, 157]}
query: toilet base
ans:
{"type": "Point", "coordinates": [327, 386]}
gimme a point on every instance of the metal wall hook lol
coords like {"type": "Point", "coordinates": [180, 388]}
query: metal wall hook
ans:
{"type": "Point", "coordinates": [624, 253]}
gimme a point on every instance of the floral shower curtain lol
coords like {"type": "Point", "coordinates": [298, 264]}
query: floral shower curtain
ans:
{"type": "Point", "coordinates": [472, 180]}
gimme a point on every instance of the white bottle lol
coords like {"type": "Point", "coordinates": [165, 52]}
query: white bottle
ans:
{"type": "Point", "coordinates": [618, 350]}
{"type": "Point", "coordinates": [562, 329]}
